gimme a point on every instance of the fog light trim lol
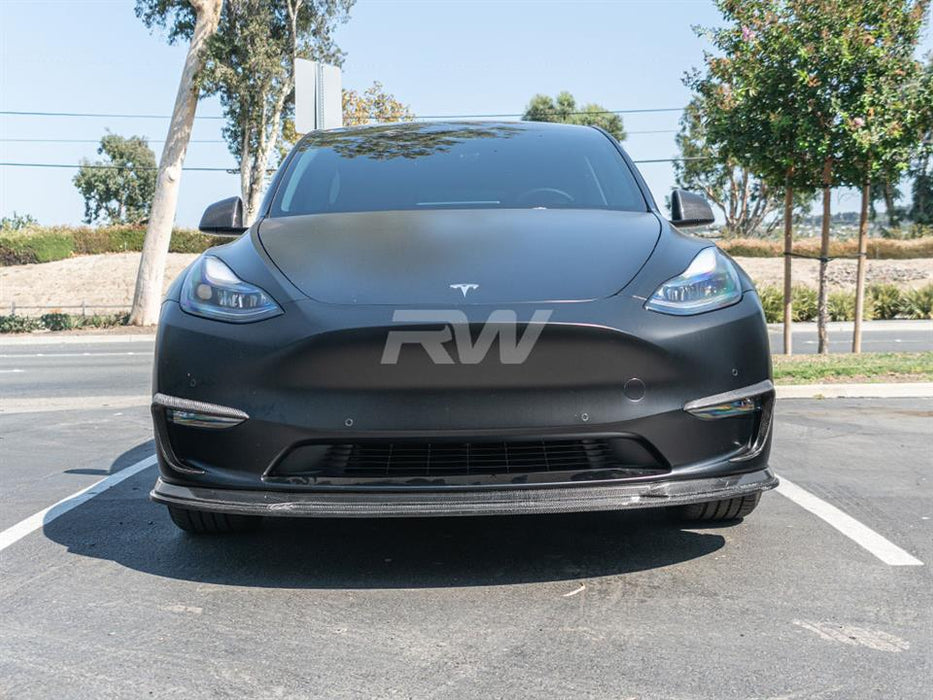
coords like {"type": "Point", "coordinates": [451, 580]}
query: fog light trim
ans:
{"type": "Point", "coordinates": [198, 414]}
{"type": "Point", "coordinates": [739, 402]}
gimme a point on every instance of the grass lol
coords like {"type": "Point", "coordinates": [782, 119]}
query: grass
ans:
{"type": "Point", "coordinates": [856, 369]}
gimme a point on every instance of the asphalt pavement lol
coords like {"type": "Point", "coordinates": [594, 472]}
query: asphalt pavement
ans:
{"type": "Point", "coordinates": [108, 599]}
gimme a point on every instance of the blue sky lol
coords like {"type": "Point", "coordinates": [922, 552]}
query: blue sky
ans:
{"type": "Point", "coordinates": [442, 57]}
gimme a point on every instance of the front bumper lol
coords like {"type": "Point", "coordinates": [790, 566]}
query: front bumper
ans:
{"type": "Point", "coordinates": [512, 501]}
{"type": "Point", "coordinates": [267, 419]}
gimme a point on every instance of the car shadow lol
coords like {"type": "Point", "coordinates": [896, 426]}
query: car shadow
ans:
{"type": "Point", "coordinates": [123, 526]}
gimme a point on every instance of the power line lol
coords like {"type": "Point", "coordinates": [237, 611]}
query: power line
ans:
{"type": "Point", "coordinates": [17, 113]}
{"type": "Point", "coordinates": [35, 140]}
{"type": "Point", "coordinates": [29, 140]}
{"type": "Point", "coordinates": [103, 115]}
{"type": "Point", "coordinates": [233, 171]}
{"type": "Point", "coordinates": [94, 166]}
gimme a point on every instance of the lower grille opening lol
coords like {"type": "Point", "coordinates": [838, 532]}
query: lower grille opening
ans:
{"type": "Point", "coordinates": [385, 459]}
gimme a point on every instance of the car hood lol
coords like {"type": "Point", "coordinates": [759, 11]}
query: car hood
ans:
{"type": "Point", "coordinates": [415, 257]}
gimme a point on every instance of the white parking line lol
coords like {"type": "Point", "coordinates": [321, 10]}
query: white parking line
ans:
{"type": "Point", "coordinates": [7, 356]}
{"type": "Point", "coordinates": [862, 535]}
{"type": "Point", "coordinates": [43, 517]}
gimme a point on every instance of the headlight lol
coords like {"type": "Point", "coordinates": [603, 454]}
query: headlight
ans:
{"type": "Point", "coordinates": [711, 282]}
{"type": "Point", "coordinates": [212, 290]}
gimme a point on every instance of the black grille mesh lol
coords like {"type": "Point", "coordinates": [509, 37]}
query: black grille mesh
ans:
{"type": "Point", "coordinates": [439, 459]}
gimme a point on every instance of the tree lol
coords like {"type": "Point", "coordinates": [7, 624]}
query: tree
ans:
{"type": "Point", "coordinates": [564, 110]}
{"type": "Point", "coordinates": [374, 105]}
{"type": "Point", "coordinates": [745, 201]}
{"type": "Point", "coordinates": [921, 170]}
{"type": "Point", "coordinates": [251, 66]}
{"type": "Point", "coordinates": [882, 107]}
{"type": "Point", "coordinates": [196, 19]}
{"type": "Point", "coordinates": [798, 88]}
{"type": "Point", "coordinates": [754, 107]}
{"type": "Point", "coordinates": [119, 188]}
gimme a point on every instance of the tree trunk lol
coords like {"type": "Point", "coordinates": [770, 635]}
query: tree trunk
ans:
{"type": "Point", "coordinates": [860, 276]}
{"type": "Point", "coordinates": [255, 186]}
{"type": "Point", "coordinates": [788, 249]}
{"type": "Point", "coordinates": [148, 295]}
{"type": "Point", "coordinates": [822, 307]}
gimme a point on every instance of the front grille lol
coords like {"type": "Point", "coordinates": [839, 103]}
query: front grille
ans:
{"type": "Point", "coordinates": [440, 459]}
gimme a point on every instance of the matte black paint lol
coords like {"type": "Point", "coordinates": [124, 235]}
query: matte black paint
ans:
{"type": "Point", "coordinates": [314, 372]}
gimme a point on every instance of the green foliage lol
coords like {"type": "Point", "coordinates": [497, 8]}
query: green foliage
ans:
{"type": "Point", "coordinates": [34, 245]}
{"type": "Point", "coordinates": [841, 307]}
{"type": "Point", "coordinates": [565, 111]}
{"type": "Point", "coordinates": [886, 300]}
{"type": "Point", "coordinates": [744, 201]}
{"type": "Point", "coordinates": [374, 105]}
{"type": "Point", "coordinates": [882, 301]}
{"type": "Point", "coordinates": [918, 303]}
{"type": "Point", "coordinates": [800, 89]}
{"type": "Point", "coordinates": [249, 65]}
{"type": "Point", "coordinates": [119, 188]}
{"type": "Point", "coordinates": [19, 324]}
{"type": "Point", "coordinates": [17, 222]}
{"type": "Point", "coordinates": [772, 301]}
{"type": "Point", "coordinates": [60, 322]}
{"type": "Point", "coordinates": [46, 244]}
{"type": "Point", "coordinates": [804, 301]}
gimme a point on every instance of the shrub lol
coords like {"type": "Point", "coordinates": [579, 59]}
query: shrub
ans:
{"type": "Point", "coordinates": [805, 303]}
{"type": "Point", "coordinates": [886, 300]}
{"type": "Point", "coordinates": [772, 301]}
{"type": "Point", "coordinates": [19, 324]}
{"type": "Point", "coordinates": [188, 241]}
{"type": "Point", "coordinates": [45, 244]}
{"type": "Point", "coordinates": [36, 245]}
{"type": "Point", "coordinates": [59, 321]}
{"type": "Point", "coordinates": [918, 303]}
{"type": "Point", "coordinates": [841, 307]}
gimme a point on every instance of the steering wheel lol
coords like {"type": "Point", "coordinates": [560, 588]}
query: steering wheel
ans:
{"type": "Point", "coordinates": [551, 195]}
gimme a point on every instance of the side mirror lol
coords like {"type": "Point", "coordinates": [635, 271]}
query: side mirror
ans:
{"type": "Point", "coordinates": [688, 209]}
{"type": "Point", "coordinates": [223, 218]}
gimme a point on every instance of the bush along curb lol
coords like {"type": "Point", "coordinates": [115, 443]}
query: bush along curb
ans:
{"type": "Point", "coordinates": [46, 244]}
{"type": "Point", "coordinates": [60, 322]}
{"type": "Point", "coordinates": [883, 302]}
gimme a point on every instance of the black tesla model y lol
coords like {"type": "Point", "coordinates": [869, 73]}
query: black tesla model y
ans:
{"type": "Point", "coordinates": [460, 319]}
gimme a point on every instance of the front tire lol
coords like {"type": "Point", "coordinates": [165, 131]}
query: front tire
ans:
{"type": "Point", "coordinates": [720, 511]}
{"type": "Point", "coordinates": [201, 522]}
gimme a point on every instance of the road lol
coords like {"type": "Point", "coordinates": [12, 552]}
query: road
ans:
{"type": "Point", "coordinates": [110, 600]}
{"type": "Point", "coordinates": [878, 336]}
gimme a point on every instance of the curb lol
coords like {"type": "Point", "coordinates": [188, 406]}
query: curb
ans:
{"type": "Point", "coordinates": [906, 390]}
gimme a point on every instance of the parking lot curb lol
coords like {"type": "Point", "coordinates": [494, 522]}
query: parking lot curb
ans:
{"type": "Point", "coordinates": [73, 338]}
{"type": "Point", "coordinates": [906, 390]}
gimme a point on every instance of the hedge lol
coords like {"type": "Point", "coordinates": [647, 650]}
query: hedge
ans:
{"type": "Point", "coordinates": [60, 322]}
{"type": "Point", "coordinates": [47, 243]}
{"type": "Point", "coordinates": [879, 248]}
{"type": "Point", "coordinates": [882, 301]}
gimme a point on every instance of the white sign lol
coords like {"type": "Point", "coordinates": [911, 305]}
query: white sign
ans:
{"type": "Point", "coordinates": [318, 96]}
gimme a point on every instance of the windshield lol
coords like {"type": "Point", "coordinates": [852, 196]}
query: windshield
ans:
{"type": "Point", "coordinates": [456, 166]}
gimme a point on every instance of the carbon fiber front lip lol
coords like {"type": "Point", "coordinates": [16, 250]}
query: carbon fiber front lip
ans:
{"type": "Point", "coordinates": [561, 499]}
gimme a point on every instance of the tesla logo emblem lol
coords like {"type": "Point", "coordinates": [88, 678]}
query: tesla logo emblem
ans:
{"type": "Point", "coordinates": [465, 287]}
